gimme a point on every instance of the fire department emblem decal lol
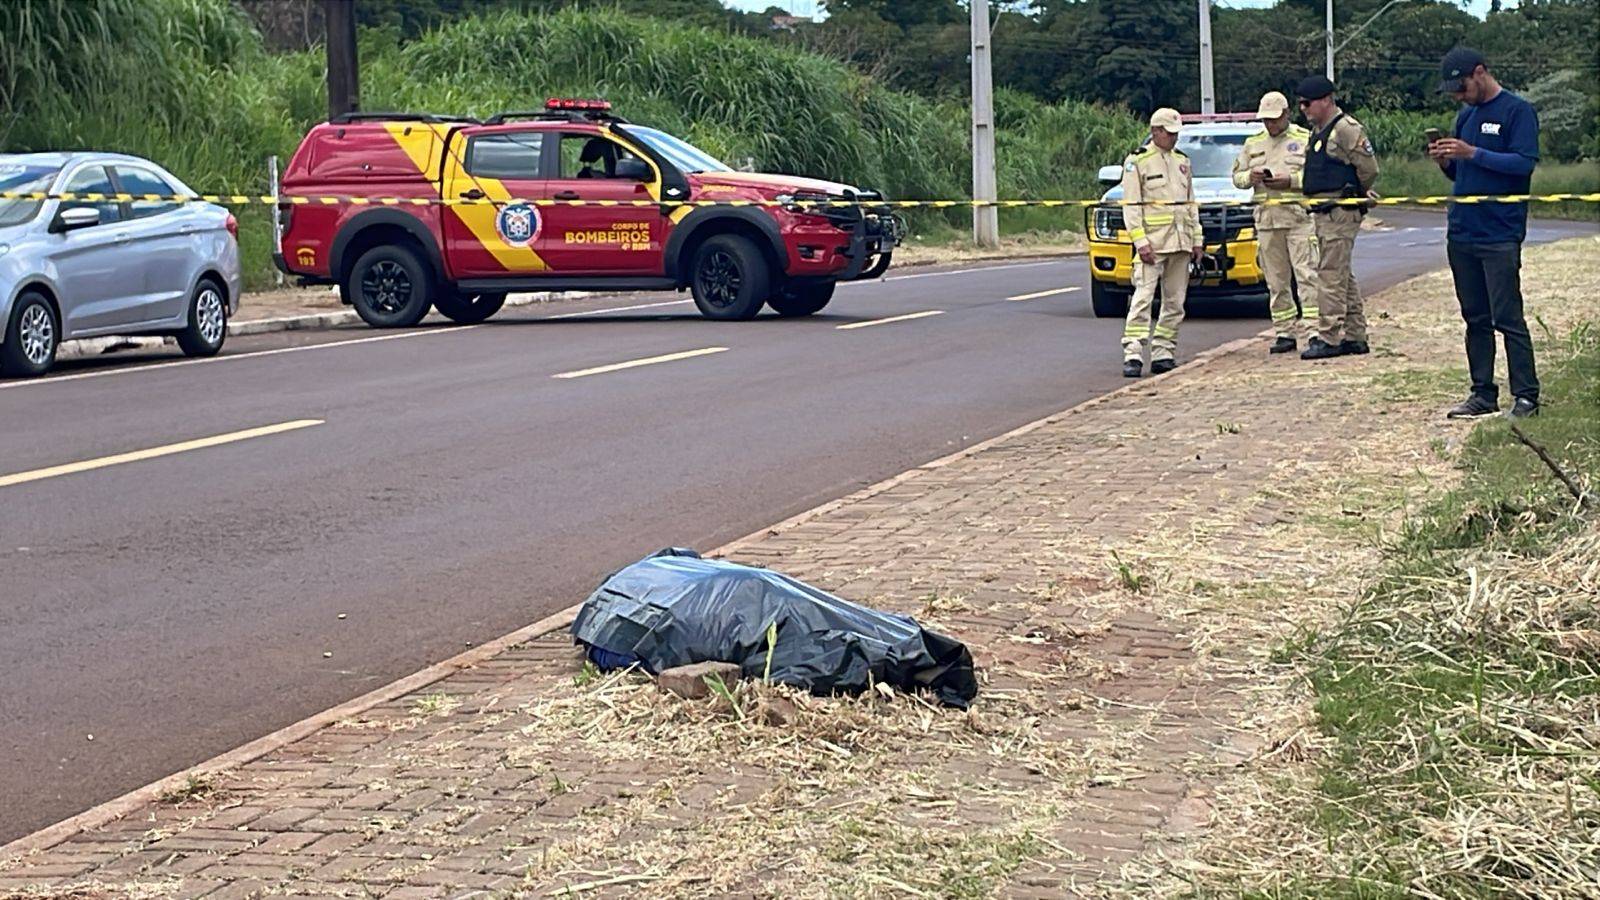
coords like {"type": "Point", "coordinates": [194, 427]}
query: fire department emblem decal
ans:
{"type": "Point", "coordinates": [517, 224]}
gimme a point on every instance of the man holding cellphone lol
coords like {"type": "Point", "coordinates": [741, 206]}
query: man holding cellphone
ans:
{"type": "Point", "coordinates": [1286, 243]}
{"type": "Point", "coordinates": [1493, 151]}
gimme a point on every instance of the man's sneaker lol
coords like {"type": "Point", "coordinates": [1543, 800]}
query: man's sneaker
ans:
{"type": "Point", "coordinates": [1162, 366]}
{"type": "Point", "coordinates": [1283, 344]}
{"type": "Point", "coordinates": [1132, 369]}
{"type": "Point", "coordinates": [1522, 409]}
{"type": "Point", "coordinates": [1317, 348]}
{"type": "Point", "coordinates": [1473, 407]}
{"type": "Point", "coordinates": [1353, 348]}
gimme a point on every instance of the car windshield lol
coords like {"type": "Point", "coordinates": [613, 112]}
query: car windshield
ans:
{"type": "Point", "coordinates": [682, 154]}
{"type": "Point", "coordinates": [1212, 155]}
{"type": "Point", "coordinates": [23, 178]}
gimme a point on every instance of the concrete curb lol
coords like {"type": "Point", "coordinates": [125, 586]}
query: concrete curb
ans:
{"type": "Point", "coordinates": [118, 807]}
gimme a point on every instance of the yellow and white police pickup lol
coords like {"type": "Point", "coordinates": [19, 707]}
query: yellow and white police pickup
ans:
{"type": "Point", "coordinates": [1229, 269]}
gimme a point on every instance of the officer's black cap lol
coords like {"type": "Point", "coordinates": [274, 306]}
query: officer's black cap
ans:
{"type": "Point", "coordinates": [1314, 87]}
{"type": "Point", "coordinates": [1457, 65]}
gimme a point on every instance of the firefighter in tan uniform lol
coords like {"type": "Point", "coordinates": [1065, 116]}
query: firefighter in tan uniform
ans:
{"type": "Point", "coordinates": [1286, 240]}
{"type": "Point", "coordinates": [1339, 164]}
{"type": "Point", "coordinates": [1166, 235]}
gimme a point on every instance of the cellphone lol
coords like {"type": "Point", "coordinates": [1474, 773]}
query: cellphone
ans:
{"type": "Point", "coordinates": [1434, 135]}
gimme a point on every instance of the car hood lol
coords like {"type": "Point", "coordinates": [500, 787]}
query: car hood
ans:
{"type": "Point", "coordinates": [777, 184]}
{"type": "Point", "coordinates": [1206, 190]}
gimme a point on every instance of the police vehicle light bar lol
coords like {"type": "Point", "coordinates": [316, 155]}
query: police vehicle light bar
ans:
{"type": "Point", "coordinates": [565, 103]}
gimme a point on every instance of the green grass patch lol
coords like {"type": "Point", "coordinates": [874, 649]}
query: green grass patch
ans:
{"type": "Point", "coordinates": [1457, 690]}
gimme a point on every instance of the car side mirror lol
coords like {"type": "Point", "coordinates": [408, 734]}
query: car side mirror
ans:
{"type": "Point", "coordinates": [73, 218]}
{"type": "Point", "coordinates": [633, 170]}
{"type": "Point", "coordinates": [1110, 175]}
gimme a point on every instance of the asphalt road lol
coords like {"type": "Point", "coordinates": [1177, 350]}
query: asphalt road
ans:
{"type": "Point", "coordinates": [442, 486]}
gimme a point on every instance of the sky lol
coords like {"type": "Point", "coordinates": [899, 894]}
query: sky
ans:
{"type": "Point", "coordinates": [813, 7]}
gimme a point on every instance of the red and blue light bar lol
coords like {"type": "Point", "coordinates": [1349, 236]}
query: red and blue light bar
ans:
{"type": "Point", "coordinates": [568, 103]}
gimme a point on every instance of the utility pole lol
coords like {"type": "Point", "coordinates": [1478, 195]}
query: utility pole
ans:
{"type": "Point", "coordinates": [985, 219]}
{"type": "Point", "coordinates": [344, 87]}
{"type": "Point", "coordinates": [1328, 39]}
{"type": "Point", "coordinates": [1208, 90]}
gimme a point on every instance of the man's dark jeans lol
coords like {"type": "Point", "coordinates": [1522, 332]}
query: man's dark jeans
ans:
{"type": "Point", "coordinates": [1489, 286]}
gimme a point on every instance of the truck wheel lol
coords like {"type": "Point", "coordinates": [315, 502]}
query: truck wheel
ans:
{"type": "Point", "coordinates": [208, 321]}
{"type": "Point", "coordinates": [1108, 302]}
{"type": "Point", "coordinates": [390, 287]}
{"type": "Point", "coordinates": [730, 278]}
{"type": "Point", "coordinates": [468, 309]}
{"type": "Point", "coordinates": [801, 299]}
{"type": "Point", "coordinates": [32, 337]}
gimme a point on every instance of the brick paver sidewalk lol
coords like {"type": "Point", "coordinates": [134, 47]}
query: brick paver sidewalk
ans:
{"type": "Point", "coordinates": [1115, 570]}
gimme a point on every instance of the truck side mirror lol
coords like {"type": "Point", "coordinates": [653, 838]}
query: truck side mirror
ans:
{"type": "Point", "coordinates": [1110, 175]}
{"type": "Point", "coordinates": [633, 170]}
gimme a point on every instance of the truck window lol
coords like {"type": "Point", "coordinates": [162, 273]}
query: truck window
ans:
{"type": "Point", "coordinates": [591, 156]}
{"type": "Point", "coordinates": [513, 155]}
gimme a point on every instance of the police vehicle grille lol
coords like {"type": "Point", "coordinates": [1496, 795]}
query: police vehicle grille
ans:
{"type": "Point", "coordinates": [1223, 223]}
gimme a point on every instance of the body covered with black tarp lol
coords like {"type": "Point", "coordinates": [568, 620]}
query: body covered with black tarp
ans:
{"type": "Point", "coordinates": [675, 608]}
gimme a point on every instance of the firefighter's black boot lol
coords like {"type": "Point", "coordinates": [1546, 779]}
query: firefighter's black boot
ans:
{"type": "Point", "coordinates": [1284, 344]}
{"type": "Point", "coordinates": [1317, 348]}
{"type": "Point", "coordinates": [1132, 368]}
{"type": "Point", "coordinates": [1162, 366]}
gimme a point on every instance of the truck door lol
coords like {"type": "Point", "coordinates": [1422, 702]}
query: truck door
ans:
{"type": "Point", "coordinates": [619, 228]}
{"type": "Point", "coordinates": [487, 240]}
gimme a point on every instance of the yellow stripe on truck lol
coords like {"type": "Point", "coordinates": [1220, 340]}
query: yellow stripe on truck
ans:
{"type": "Point", "coordinates": [425, 145]}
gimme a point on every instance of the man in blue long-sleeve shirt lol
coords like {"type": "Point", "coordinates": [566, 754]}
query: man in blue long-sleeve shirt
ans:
{"type": "Point", "coordinates": [1493, 151]}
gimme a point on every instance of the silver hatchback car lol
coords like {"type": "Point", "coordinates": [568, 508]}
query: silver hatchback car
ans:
{"type": "Point", "coordinates": [73, 269]}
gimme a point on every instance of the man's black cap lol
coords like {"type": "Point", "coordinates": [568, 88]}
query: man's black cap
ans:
{"type": "Point", "coordinates": [1315, 87]}
{"type": "Point", "coordinates": [1457, 65]}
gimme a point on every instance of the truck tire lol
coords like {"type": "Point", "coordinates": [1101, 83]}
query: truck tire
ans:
{"type": "Point", "coordinates": [390, 286]}
{"type": "Point", "coordinates": [208, 320]}
{"type": "Point", "coordinates": [730, 279]}
{"type": "Point", "coordinates": [1108, 302]}
{"type": "Point", "coordinates": [468, 309]}
{"type": "Point", "coordinates": [803, 299]}
{"type": "Point", "coordinates": [33, 335]}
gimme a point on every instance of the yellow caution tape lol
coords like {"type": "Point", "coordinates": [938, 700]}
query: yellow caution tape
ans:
{"type": "Point", "coordinates": [266, 199]}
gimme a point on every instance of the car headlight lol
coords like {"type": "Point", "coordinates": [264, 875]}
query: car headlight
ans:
{"type": "Point", "coordinates": [1107, 222]}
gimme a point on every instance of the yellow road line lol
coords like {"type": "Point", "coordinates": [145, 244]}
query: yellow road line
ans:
{"type": "Point", "coordinates": [1035, 296]}
{"type": "Point", "coordinates": [907, 317]}
{"type": "Point", "coordinates": [153, 452]}
{"type": "Point", "coordinates": [647, 361]}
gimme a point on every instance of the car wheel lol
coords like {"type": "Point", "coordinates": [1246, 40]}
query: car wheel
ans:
{"type": "Point", "coordinates": [390, 287]}
{"type": "Point", "coordinates": [801, 299]}
{"type": "Point", "coordinates": [32, 337]}
{"type": "Point", "coordinates": [730, 278]}
{"type": "Point", "coordinates": [208, 321]}
{"type": "Point", "coordinates": [468, 309]}
{"type": "Point", "coordinates": [1108, 302]}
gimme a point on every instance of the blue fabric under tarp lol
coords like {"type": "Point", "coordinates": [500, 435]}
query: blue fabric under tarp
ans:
{"type": "Point", "coordinates": [674, 609]}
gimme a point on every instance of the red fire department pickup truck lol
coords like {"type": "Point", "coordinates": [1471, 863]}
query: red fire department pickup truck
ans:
{"type": "Point", "coordinates": [506, 222]}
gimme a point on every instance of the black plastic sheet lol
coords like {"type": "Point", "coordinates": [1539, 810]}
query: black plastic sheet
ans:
{"type": "Point", "coordinates": [674, 609]}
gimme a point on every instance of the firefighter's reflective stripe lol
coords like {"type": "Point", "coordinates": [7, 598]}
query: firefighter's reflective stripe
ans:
{"type": "Point", "coordinates": [1136, 331]}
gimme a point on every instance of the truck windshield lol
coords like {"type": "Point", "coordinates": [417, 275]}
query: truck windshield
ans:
{"type": "Point", "coordinates": [22, 178]}
{"type": "Point", "coordinates": [1212, 155]}
{"type": "Point", "coordinates": [682, 154]}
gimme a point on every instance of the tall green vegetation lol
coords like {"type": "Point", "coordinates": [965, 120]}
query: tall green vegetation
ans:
{"type": "Point", "coordinates": [187, 83]}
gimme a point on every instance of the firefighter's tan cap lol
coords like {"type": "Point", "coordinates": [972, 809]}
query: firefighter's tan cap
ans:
{"type": "Point", "coordinates": [1167, 118]}
{"type": "Point", "coordinates": [1273, 105]}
